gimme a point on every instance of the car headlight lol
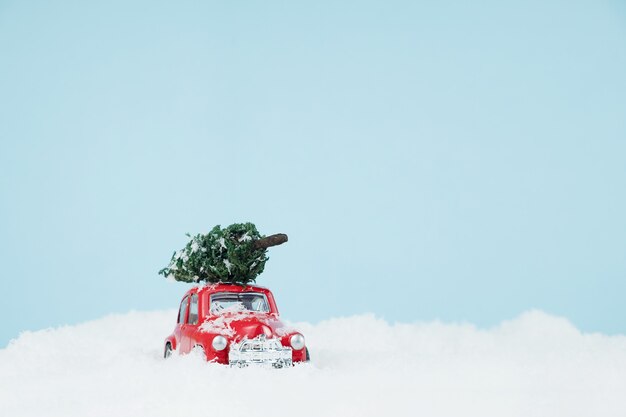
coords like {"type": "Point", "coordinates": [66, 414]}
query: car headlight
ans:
{"type": "Point", "coordinates": [297, 341]}
{"type": "Point", "coordinates": [219, 343]}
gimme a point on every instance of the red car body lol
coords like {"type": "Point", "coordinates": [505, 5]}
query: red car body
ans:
{"type": "Point", "coordinates": [248, 330]}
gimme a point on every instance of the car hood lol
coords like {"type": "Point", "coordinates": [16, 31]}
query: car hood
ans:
{"type": "Point", "coordinates": [238, 326]}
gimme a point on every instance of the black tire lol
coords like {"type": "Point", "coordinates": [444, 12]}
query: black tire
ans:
{"type": "Point", "coordinates": [308, 357]}
{"type": "Point", "coordinates": [168, 350]}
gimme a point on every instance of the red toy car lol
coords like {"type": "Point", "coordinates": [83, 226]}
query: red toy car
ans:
{"type": "Point", "coordinates": [235, 325]}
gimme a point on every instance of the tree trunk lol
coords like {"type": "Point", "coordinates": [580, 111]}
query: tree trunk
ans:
{"type": "Point", "coordinates": [269, 241]}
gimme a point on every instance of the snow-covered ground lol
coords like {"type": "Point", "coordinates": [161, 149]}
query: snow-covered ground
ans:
{"type": "Point", "coordinates": [535, 365]}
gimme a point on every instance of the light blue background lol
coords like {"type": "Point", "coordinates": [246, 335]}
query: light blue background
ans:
{"type": "Point", "coordinates": [456, 160]}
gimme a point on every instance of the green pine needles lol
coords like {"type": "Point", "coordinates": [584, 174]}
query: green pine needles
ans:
{"type": "Point", "coordinates": [235, 254]}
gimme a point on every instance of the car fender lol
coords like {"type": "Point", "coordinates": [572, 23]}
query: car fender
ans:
{"type": "Point", "coordinates": [172, 341]}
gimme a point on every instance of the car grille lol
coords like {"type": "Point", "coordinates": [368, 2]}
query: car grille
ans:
{"type": "Point", "coordinates": [259, 351]}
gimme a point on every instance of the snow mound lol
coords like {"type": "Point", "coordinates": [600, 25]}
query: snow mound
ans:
{"type": "Point", "coordinates": [535, 365]}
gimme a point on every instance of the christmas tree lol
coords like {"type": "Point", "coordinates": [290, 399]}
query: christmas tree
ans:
{"type": "Point", "coordinates": [235, 254]}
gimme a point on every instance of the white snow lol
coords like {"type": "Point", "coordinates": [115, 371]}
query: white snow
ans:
{"type": "Point", "coordinates": [534, 365]}
{"type": "Point", "coordinates": [219, 326]}
{"type": "Point", "coordinates": [223, 324]}
{"type": "Point", "coordinates": [245, 238]}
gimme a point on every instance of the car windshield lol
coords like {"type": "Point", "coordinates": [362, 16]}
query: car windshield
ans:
{"type": "Point", "coordinates": [231, 302]}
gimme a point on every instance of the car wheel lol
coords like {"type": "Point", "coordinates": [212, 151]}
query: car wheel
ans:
{"type": "Point", "coordinates": [308, 357]}
{"type": "Point", "coordinates": [168, 350]}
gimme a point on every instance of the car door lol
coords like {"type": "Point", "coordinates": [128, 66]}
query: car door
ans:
{"type": "Point", "coordinates": [190, 327]}
{"type": "Point", "coordinates": [180, 324]}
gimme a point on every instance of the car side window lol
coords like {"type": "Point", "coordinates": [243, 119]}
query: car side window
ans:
{"type": "Point", "coordinates": [182, 313]}
{"type": "Point", "coordinates": [193, 309]}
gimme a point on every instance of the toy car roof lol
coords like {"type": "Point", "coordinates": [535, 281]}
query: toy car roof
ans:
{"type": "Point", "coordinates": [219, 287]}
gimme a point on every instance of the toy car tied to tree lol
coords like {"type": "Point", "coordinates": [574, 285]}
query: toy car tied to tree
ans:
{"type": "Point", "coordinates": [229, 321]}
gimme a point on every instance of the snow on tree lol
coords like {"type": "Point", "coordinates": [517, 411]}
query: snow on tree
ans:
{"type": "Point", "coordinates": [235, 254]}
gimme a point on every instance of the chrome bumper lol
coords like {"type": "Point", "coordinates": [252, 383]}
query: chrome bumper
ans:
{"type": "Point", "coordinates": [259, 351]}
